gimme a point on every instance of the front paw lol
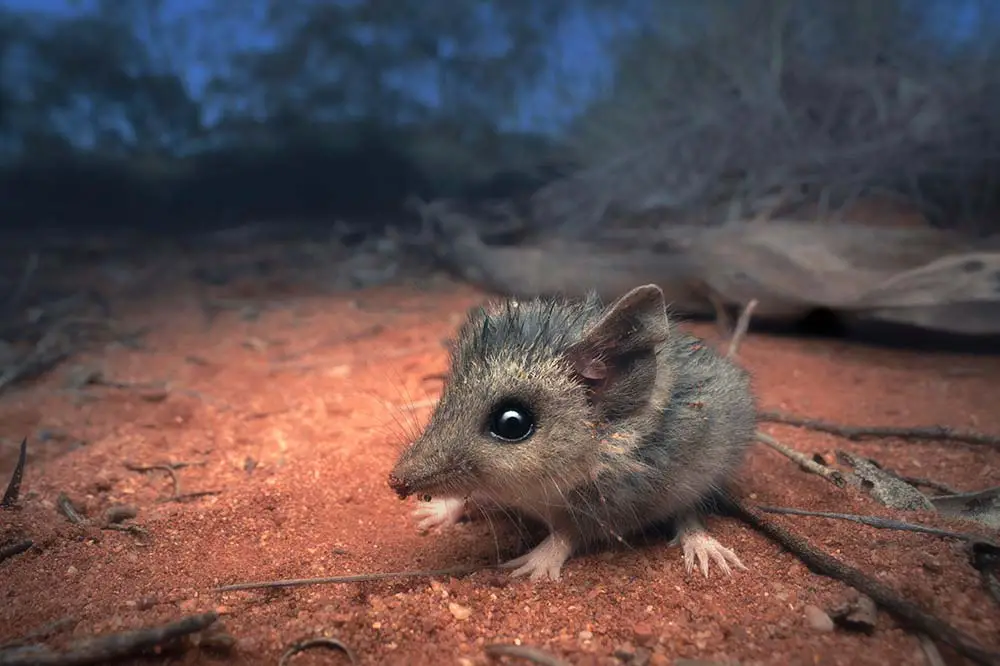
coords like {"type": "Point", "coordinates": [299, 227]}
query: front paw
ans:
{"type": "Point", "coordinates": [544, 561]}
{"type": "Point", "coordinates": [439, 513]}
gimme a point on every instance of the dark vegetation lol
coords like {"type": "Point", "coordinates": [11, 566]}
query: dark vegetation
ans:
{"type": "Point", "coordinates": [309, 109]}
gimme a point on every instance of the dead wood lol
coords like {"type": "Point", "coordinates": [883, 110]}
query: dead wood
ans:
{"type": "Point", "coordinates": [823, 564]}
{"type": "Point", "coordinates": [13, 491]}
{"type": "Point", "coordinates": [105, 649]}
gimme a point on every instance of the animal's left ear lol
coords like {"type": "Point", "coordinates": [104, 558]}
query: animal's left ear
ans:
{"type": "Point", "coordinates": [617, 356]}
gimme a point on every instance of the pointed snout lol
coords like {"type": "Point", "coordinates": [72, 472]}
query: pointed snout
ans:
{"type": "Point", "coordinates": [399, 486]}
{"type": "Point", "coordinates": [419, 471]}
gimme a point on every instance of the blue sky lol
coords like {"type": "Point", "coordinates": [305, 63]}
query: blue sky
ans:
{"type": "Point", "coordinates": [577, 54]}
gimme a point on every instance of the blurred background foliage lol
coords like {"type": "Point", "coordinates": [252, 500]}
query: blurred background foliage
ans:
{"type": "Point", "coordinates": [161, 114]}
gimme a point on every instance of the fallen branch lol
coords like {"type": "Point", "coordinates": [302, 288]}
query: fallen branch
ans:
{"type": "Point", "coordinates": [360, 578]}
{"type": "Point", "coordinates": [873, 521]}
{"type": "Point", "coordinates": [104, 649]}
{"type": "Point", "coordinates": [803, 461]}
{"type": "Point", "coordinates": [882, 487]}
{"type": "Point", "coordinates": [823, 564]}
{"type": "Point", "coordinates": [15, 548]}
{"type": "Point", "coordinates": [928, 433]}
{"type": "Point", "coordinates": [921, 482]}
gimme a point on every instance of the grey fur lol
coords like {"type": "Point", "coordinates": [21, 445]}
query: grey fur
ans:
{"type": "Point", "coordinates": [636, 423]}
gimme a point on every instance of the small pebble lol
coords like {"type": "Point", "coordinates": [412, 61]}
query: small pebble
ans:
{"type": "Point", "coordinates": [643, 633]}
{"type": "Point", "coordinates": [459, 612]}
{"type": "Point", "coordinates": [818, 619]}
{"type": "Point", "coordinates": [585, 635]}
{"type": "Point", "coordinates": [120, 513]}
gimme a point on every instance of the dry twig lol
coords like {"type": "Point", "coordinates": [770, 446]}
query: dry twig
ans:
{"type": "Point", "coordinates": [14, 487]}
{"type": "Point", "coordinates": [742, 326]}
{"type": "Point", "coordinates": [802, 460]}
{"type": "Point", "coordinates": [105, 649]}
{"type": "Point", "coordinates": [67, 509]}
{"type": "Point", "coordinates": [170, 469]}
{"type": "Point", "coordinates": [929, 433]}
{"type": "Point", "coordinates": [183, 497]}
{"type": "Point", "coordinates": [872, 521]}
{"type": "Point", "coordinates": [825, 565]}
{"type": "Point", "coordinates": [360, 578]}
{"type": "Point", "coordinates": [15, 548]}
{"type": "Point", "coordinates": [319, 642]}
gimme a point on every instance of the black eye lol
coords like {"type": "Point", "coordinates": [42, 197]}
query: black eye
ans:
{"type": "Point", "coordinates": [512, 422]}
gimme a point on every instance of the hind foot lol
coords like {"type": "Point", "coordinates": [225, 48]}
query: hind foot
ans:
{"type": "Point", "coordinates": [697, 544]}
{"type": "Point", "coordinates": [439, 513]}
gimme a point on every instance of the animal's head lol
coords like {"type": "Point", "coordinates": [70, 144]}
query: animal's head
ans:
{"type": "Point", "coordinates": [534, 390]}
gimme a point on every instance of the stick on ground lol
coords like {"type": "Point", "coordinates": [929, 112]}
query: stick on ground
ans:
{"type": "Point", "coordinates": [802, 460]}
{"type": "Point", "coordinates": [873, 521]}
{"type": "Point", "coordinates": [929, 433]}
{"type": "Point", "coordinates": [169, 469]}
{"type": "Point", "coordinates": [67, 509]}
{"type": "Point", "coordinates": [105, 649]}
{"type": "Point", "coordinates": [904, 611]}
{"type": "Point", "coordinates": [360, 578]}
{"type": "Point", "coordinates": [15, 548]}
{"type": "Point", "coordinates": [742, 326]}
{"type": "Point", "coordinates": [14, 487]}
{"type": "Point", "coordinates": [319, 642]}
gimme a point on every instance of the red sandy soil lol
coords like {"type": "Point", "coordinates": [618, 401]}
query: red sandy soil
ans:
{"type": "Point", "coordinates": [294, 419]}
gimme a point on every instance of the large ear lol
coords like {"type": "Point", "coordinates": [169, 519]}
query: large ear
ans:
{"type": "Point", "coordinates": [616, 357]}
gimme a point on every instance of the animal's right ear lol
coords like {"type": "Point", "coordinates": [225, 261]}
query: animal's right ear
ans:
{"type": "Point", "coordinates": [620, 348]}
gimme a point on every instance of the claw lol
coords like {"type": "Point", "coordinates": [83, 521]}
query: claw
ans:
{"type": "Point", "coordinates": [544, 561]}
{"type": "Point", "coordinates": [698, 545]}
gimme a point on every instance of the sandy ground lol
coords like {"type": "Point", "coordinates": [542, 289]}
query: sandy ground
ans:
{"type": "Point", "coordinates": [289, 418]}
